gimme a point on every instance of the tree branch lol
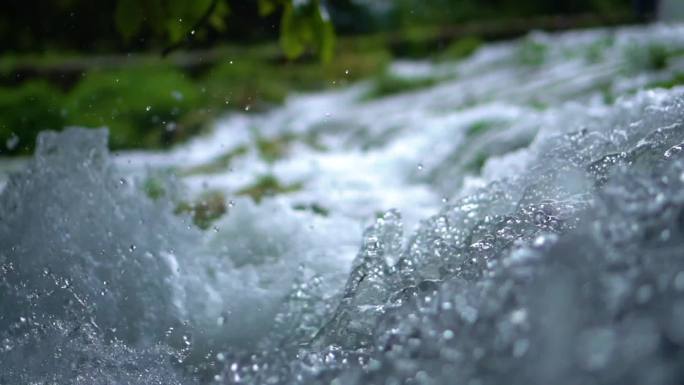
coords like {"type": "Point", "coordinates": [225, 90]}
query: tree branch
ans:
{"type": "Point", "coordinates": [191, 32]}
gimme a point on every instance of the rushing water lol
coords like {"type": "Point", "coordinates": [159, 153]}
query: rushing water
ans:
{"type": "Point", "coordinates": [540, 186]}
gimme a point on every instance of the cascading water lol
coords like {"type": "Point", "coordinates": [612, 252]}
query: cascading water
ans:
{"type": "Point", "coordinates": [543, 233]}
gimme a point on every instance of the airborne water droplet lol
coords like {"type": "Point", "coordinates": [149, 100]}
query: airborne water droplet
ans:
{"type": "Point", "coordinates": [12, 142]}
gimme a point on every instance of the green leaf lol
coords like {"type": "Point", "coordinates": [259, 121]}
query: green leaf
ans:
{"type": "Point", "coordinates": [325, 34]}
{"type": "Point", "coordinates": [291, 35]}
{"type": "Point", "coordinates": [267, 7]}
{"type": "Point", "coordinates": [306, 26]}
{"type": "Point", "coordinates": [128, 18]}
{"type": "Point", "coordinates": [217, 20]}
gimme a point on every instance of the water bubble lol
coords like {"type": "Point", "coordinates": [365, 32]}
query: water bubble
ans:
{"type": "Point", "coordinates": [12, 142]}
{"type": "Point", "coordinates": [679, 281]}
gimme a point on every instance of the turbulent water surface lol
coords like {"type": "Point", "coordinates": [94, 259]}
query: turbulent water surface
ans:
{"type": "Point", "coordinates": [522, 222]}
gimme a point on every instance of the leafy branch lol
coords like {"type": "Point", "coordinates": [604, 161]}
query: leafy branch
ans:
{"type": "Point", "coordinates": [191, 32]}
{"type": "Point", "coordinates": [304, 26]}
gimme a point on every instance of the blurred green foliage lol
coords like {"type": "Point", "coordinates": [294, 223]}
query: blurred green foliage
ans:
{"type": "Point", "coordinates": [267, 186]}
{"type": "Point", "coordinates": [155, 105]}
{"type": "Point", "coordinates": [389, 84]}
{"type": "Point", "coordinates": [26, 110]}
{"type": "Point", "coordinates": [461, 48]}
{"type": "Point", "coordinates": [676, 81]}
{"type": "Point", "coordinates": [124, 25]}
{"type": "Point", "coordinates": [531, 53]}
{"type": "Point", "coordinates": [143, 107]}
{"type": "Point", "coordinates": [209, 207]}
{"type": "Point", "coordinates": [44, 83]}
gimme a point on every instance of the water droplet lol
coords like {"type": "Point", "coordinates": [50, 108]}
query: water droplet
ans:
{"type": "Point", "coordinates": [644, 294]}
{"type": "Point", "coordinates": [132, 248]}
{"type": "Point", "coordinates": [177, 95]}
{"type": "Point", "coordinates": [148, 108]}
{"type": "Point", "coordinates": [520, 347]}
{"type": "Point", "coordinates": [12, 142]}
{"type": "Point", "coordinates": [346, 72]}
{"type": "Point", "coordinates": [679, 281]}
{"type": "Point", "coordinates": [420, 167]}
{"type": "Point", "coordinates": [247, 107]}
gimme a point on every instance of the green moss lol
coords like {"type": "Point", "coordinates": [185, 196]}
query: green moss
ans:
{"type": "Point", "coordinates": [148, 104]}
{"type": "Point", "coordinates": [480, 127]}
{"type": "Point", "coordinates": [390, 84]}
{"type": "Point", "coordinates": [476, 163]}
{"type": "Point", "coordinates": [658, 56]}
{"type": "Point", "coordinates": [314, 208]}
{"type": "Point", "coordinates": [138, 105]}
{"type": "Point", "coordinates": [461, 48]}
{"type": "Point", "coordinates": [595, 51]}
{"type": "Point", "coordinates": [208, 208]}
{"type": "Point", "coordinates": [538, 104]}
{"type": "Point", "coordinates": [154, 188]}
{"type": "Point", "coordinates": [217, 165]}
{"type": "Point", "coordinates": [26, 110]}
{"type": "Point", "coordinates": [531, 53]}
{"type": "Point", "coordinates": [676, 80]}
{"type": "Point", "coordinates": [274, 149]}
{"type": "Point", "coordinates": [649, 57]}
{"type": "Point", "coordinates": [267, 186]}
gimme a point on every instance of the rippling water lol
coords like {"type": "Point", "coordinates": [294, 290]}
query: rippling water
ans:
{"type": "Point", "coordinates": [520, 222]}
